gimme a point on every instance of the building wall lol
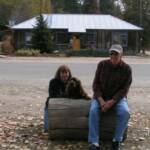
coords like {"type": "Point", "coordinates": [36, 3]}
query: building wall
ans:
{"type": "Point", "coordinates": [22, 37]}
{"type": "Point", "coordinates": [92, 39]}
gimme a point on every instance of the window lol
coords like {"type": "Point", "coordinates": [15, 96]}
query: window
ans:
{"type": "Point", "coordinates": [28, 36]}
{"type": "Point", "coordinates": [121, 38]}
{"type": "Point", "coordinates": [124, 39]}
{"type": "Point", "coordinates": [88, 40]}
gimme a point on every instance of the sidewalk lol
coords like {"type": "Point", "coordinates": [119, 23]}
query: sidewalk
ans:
{"type": "Point", "coordinates": [66, 60]}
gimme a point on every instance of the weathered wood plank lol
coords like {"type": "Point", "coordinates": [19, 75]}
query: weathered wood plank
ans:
{"type": "Point", "coordinates": [62, 103]}
{"type": "Point", "coordinates": [73, 112]}
{"type": "Point", "coordinates": [78, 134]}
{"type": "Point", "coordinates": [68, 123]}
{"type": "Point", "coordinates": [72, 134]}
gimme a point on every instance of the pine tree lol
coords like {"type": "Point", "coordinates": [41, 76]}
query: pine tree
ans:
{"type": "Point", "coordinates": [5, 11]}
{"type": "Point", "coordinates": [107, 6]}
{"type": "Point", "coordinates": [131, 12]}
{"type": "Point", "coordinates": [65, 6]}
{"type": "Point", "coordinates": [138, 13]}
{"type": "Point", "coordinates": [71, 6]}
{"type": "Point", "coordinates": [41, 38]}
{"type": "Point", "coordinates": [57, 6]}
{"type": "Point", "coordinates": [90, 6]}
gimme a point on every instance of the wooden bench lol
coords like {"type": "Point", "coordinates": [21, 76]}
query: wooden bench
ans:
{"type": "Point", "coordinates": [68, 119]}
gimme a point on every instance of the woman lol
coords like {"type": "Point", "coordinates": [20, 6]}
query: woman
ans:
{"type": "Point", "coordinates": [57, 88]}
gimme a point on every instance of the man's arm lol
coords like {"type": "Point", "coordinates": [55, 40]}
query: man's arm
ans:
{"type": "Point", "coordinates": [101, 101]}
{"type": "Point", "coordinates": [125, 87]}
{"type": "Point", "coordinates": [97, 85]}
{"type": "Point", "coordinates": [121, 93]}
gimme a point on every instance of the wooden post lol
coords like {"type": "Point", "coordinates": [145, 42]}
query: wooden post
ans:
{"type": "Point", "coordinates": [137, 43]}
{"type": "Point", "coordinates": [68, 119]}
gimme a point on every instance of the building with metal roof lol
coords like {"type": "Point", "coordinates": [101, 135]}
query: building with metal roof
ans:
{"type": "Point", "coordinates": [94, 30]}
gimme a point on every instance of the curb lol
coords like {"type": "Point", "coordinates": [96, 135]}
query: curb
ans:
{"type": "Point", "coordinates": [2, 56]}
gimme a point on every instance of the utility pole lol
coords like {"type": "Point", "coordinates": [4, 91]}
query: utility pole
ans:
{"type": "Point", "coordinates": [51, 11]}
{"type": "Point", "coordinates": [141, 25]}
{"type": "Point", "coordinates": [80, 3]}
{"type": "Point", "coordinates": [40, 7]}
{"type": "Point", "coordinates": [141, 7]}
{"type": "Point", "coordinates": [98, 6]}
{"type": "Point", "coordinates": [53, 7]}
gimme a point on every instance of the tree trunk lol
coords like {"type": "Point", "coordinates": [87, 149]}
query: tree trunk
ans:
{"type": "Point", "coordinates": [68, 119]}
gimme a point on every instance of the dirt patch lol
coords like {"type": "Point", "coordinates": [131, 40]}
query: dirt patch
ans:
{"type": "Point", "coordinates": [21, 114]}
{"type": "Point", "coordinates": [21, 120]}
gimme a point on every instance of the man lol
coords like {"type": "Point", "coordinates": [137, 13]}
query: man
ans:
{"type": "Point", "coordinates": [112, 80]}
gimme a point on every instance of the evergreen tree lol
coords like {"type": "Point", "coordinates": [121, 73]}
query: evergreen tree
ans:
{"type": "Point", "coordinates": [57, 6]}
{"type": "Point", "coordinates": [101, 6]}
{"type": "Point", "coordinates": [71, 6]}
{"type": "Point", "coordinates": [41, 38]}
{"type": "Point", "coordinates": [138, 13]}
{"type": "Point", "coordinates": [106, 6]}
{"type": "Point", "coordinates": [65, 6]}
{"type": "Point", "coordinates": [24, 11]}
{"type": "Point", "coordinates": [4, 17]}
{"type": "Point", "coordinates": [90, 7]}
{"type": "Point", "coordinates": [117, 10]}
{"type": "Point", "coordinates": [17, 11]}
{"type": "Point", "coordinates": [131, 12]}
{"type": "Point", "coordinates": [110, 7]}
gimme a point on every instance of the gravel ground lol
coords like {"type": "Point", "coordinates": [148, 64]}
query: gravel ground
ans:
{"type": "Point", "coordinates": [21, 119]}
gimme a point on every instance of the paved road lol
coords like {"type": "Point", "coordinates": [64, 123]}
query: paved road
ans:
{"type": "Point", "coordinates": [39, 72]}
{"type": "Point", "coordinates": [26, 82]}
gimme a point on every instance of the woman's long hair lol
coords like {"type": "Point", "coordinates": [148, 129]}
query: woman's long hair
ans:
{"type": "Point", "coordinates": [62, 68]}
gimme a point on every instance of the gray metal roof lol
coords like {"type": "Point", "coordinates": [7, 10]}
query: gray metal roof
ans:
{"type": "Point", "coordinates": [80, 22]}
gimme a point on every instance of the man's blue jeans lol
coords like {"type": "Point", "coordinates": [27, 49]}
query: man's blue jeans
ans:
{"type": "Point", "coordinates": [122, 112]}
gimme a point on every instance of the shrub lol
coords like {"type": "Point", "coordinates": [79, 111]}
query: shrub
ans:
{"type": "Point", "coordinates": [87, 53]}
{"type": "Point", "coordinates": [28, 52]}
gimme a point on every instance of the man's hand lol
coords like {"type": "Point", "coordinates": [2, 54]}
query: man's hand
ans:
{"type": "Point", "coordinates": [101, 101]}
{"type": "Point", "coordinates": [107, 105]}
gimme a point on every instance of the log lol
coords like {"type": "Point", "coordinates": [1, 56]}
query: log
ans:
{"type": "Point", "coordinates": [68, 120]}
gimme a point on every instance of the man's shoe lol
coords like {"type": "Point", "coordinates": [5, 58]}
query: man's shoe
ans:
{"type": "Point", "coordinates": [116, 146]}
{"type": "Point", "coordinates": [94, 147]}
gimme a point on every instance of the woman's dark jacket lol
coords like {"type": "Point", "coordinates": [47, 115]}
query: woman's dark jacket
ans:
{"type": "Point", "coordinates": [56, 88]}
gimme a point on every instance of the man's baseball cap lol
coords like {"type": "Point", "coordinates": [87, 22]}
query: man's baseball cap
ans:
{"type": "Point", "coordinates": [117, 48]}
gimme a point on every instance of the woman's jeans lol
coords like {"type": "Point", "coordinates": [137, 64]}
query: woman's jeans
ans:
{"type": "Point", "coordinates": [46, 119]}
{"type": "Point", "coordinates": [122, 112]}
{"type": "Point", "coordinates": [46, 115]}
